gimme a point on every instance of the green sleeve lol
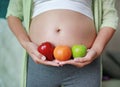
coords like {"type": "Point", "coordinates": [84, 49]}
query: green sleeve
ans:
{"type": "Point", "coordinates": [15, 8]}
{"type": "Point", "coordinates": [110, 17]}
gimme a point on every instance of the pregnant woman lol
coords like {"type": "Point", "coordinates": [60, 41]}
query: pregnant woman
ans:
{"type": "Point", "coordinates": [62, 22]}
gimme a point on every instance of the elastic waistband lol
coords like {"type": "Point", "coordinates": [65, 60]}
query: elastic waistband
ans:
{"type": "Point", "coordinates": [82, 8]}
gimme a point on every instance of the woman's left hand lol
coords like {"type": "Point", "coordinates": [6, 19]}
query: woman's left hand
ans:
{"type": "Point", "coordinates": [81, 62]}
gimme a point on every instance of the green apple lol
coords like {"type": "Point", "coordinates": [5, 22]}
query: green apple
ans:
{"type": "Point", "coordinates": [79, 51]}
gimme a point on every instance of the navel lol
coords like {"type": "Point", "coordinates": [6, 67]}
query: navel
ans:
{"type": "Point", "coordinates": [58, 30]}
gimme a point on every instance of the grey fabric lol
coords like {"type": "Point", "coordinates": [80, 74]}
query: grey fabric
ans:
{"type": "Point", "coordinates": [67, 76]}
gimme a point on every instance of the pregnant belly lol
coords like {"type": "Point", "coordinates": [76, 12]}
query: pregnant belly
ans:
{"type": "Point", "coordinates": [62, 27]}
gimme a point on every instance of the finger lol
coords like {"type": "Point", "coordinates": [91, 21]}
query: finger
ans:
{"type": "Point", "coordinates": [80, 65]}
{"type": "Point", "coordinates": [80, 60]}
{"type": "Point", "coordinates": [42, 61]}
{"type": "Point", "coordinates": [66, 62]}
{"type": "Point", "coordinates": [77, 64]}
{"type": "Point", "coordinates": [43, 58]}
{"type": "Point", "coordinates": [36, 53]}
{"type": "Point", "coordinates": [56, 61]}
{"type": "Point", "coordinates": [36, 59]}
{"type": "Point", "coordinates": [84, 64]}
{"type": "Point", "coordinates": [51, 63]}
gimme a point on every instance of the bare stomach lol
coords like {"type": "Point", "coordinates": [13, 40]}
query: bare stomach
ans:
{"type": "Point", "coordinates": [62, 27]}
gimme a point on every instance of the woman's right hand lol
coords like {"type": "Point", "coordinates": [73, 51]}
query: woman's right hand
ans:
{"type": "Point", "coordinates": [17, 28]}
{"type": "Point", "coordinates": [37, 57]}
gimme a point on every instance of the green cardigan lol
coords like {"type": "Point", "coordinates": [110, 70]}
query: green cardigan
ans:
{"type": "Point", "coordinates": [104, 13]}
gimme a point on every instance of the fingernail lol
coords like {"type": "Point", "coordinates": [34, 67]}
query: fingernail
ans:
{"type": "Point", "coordinates": [76, 59]}
{"type": "Point", "coordinates": [61, 64]}
{"type": "Point", "coordinates": [43, 58]}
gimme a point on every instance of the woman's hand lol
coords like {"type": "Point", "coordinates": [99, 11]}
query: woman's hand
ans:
{"type": "Point", "coordinates": [104, 36]}
{"type": "Point", "coordinates": [81, 62]}
{"type": "Point", "coordinates": [38, 58]}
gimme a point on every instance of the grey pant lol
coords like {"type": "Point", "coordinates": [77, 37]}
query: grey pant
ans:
{"type": "Point", "coordinates": [65, 76]}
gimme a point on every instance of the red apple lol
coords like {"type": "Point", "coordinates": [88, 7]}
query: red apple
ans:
{"type": "Point", "coordinates": [47, 49]}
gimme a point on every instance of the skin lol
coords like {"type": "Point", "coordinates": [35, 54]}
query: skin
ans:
{"type": "Point", "coordinates": [52, 26]}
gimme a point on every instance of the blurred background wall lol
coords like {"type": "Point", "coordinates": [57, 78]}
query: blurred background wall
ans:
{"type": "Point", "coordinates": [11, 54]}
{"type": "Point", "coordinates": [10, 57]}
{"type": "Point", "coordinates": [111, 58]}
{"type": "Point", "coordinates": [111, 55]}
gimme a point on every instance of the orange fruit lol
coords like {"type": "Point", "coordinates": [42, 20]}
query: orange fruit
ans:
{"type": "Point", "coordinates": [62, 53]}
